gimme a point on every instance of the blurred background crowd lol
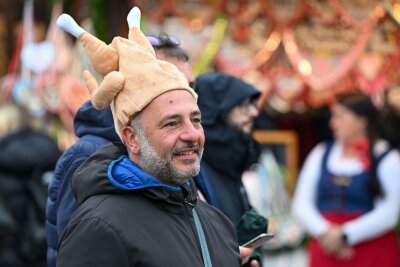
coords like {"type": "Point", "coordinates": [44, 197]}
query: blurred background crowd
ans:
{"type": "Point", "coordinates": [300, 54]}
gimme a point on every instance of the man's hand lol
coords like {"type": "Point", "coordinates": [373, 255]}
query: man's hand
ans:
{"type": "Point", "coordinates": [245, 254]}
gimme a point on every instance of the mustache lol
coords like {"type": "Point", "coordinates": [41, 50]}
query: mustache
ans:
{"type": "Point", "coordinates": [186, 145]}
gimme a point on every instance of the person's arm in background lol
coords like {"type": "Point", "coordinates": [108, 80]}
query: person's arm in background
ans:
{"type": "Point", "coordinates": [304, 200]}
{"type": "Point", "coordinates": [384, 216]}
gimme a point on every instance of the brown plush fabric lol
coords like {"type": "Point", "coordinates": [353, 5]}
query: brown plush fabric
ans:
{"type": "Point", "coordinates": [104, 58]}
{"type": "Point", "coordinates": [143, 76]}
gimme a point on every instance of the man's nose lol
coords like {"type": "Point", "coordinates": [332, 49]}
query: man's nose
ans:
{"type": "Point", "coordinates": [191, 132]}
{"type": "Point", "coordinates": [253, 111]}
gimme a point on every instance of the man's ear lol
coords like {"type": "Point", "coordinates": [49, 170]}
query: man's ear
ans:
{"type": "Point", "coordinates": [131, 139]}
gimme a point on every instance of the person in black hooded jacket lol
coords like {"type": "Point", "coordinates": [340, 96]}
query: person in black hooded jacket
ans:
{"type": "Point", "coordinates": [228, 107]}
{"type": "Point", "coordinates": [26, 156]}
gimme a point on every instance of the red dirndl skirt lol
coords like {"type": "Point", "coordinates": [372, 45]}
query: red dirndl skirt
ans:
{"type": "Point", "coordinates": [382, 251]}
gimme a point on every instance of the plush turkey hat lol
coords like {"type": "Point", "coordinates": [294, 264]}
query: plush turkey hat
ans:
{"type": "Point", "coordinates": [133, 77]}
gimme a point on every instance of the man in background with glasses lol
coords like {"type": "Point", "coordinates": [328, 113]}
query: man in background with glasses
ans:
{"type": "Point", "coordinates": [167, 48]}
{"type": "Point", "coordinates": [228, 107]}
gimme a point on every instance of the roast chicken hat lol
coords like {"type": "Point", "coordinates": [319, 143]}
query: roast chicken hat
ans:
{"type": "Point", "coordinates": [133, 76]}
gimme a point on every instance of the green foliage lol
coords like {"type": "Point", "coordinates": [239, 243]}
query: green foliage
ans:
{"type": "Point", "coordinates": [98, 15]}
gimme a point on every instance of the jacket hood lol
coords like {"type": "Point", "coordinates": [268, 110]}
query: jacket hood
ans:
{"type": "Point", "coordinates": [218, 93]}
{"type": "Point", "coordinates": [226, 149]}
{"type": "Point", "coordinates": [89, 120]}
{"type": "Point", "coordinates": [110, 171]}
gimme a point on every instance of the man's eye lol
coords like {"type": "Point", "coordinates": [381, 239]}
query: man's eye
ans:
{"type": "Point", "coordinates": [197, 121]}
{"type": "Point", "coordinates": [171, 124]}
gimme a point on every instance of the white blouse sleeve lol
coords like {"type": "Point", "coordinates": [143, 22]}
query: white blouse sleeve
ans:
{"type": "Point", "coordinates": [304, 200]}
{"type": "Point", "coordinates": [385, 214]}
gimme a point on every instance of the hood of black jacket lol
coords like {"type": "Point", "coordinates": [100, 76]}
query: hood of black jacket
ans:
{"type": "Point", "coordinates": [89, 120]}
{"type": "Point", "coordinates": [218, 94]}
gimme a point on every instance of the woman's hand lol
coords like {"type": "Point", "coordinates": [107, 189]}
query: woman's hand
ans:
{"type": "Point", "coordinates": [332, 242]}
{"type": "Point", "coordinates": [345, 253]}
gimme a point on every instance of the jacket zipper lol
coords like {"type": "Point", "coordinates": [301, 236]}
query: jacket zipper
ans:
{"type": "Point", "coordinates": [189, 207]}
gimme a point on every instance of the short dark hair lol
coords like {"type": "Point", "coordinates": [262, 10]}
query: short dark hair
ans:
{"type": "Point", "coordinates": [362, 105]}
{"type": "Point", "coordinates": [174, 52]}
{"type": "Point", "coordinates": [168, 45]}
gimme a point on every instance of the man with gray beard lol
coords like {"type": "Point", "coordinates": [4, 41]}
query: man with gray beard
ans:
{"type": "Point", "coordinates": [139, 210]}
{"type": "Point", "coordinates": [94, 128]}
{"type": "Point", "coordinates": [137, 199]}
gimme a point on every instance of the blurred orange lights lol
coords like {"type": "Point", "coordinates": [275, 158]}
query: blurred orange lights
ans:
{"type": "Point", "coordinates": [379, 11]}
{"type": "Point", "coordinates": [196, 24]}
{"type": "Point", "coordinates": [273, 41]}
{"type": "Point", "coordinates": [396, 11]}
{"type": "Point", "coordinates": [305, 67]}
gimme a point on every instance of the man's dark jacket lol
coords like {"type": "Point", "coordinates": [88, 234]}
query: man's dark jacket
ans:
{"type": "Point", "coordinates": [94, 129]}
{"type": "Point", "coordinates": [128, 218]}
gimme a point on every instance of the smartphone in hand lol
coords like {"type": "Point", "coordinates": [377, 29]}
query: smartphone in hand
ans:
{"type": "Point", "coordinates": [258, 240]}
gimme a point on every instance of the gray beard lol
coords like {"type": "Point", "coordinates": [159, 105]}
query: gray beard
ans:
{"type": "Point", "coordinates": [160, 168]}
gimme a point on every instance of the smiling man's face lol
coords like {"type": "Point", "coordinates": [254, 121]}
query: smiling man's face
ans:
{"type": "Point", "coordinates": [171, 138]}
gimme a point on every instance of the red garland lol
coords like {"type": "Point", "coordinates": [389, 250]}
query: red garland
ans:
{"type": "Point", "coordinates": [217, 8]}
{"type": "Point", "coordinates": [280, 25]}
{"type": "Point", "coordinates": [314, 12]}
{"type": "Point", "coordinates": [373, 16]}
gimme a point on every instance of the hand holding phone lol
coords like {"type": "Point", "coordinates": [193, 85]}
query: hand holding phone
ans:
{"type": "Point", "coordinates": [258, 240]}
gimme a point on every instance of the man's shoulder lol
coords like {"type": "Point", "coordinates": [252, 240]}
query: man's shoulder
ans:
{"type": "Point", "coordinates": [83, 147]}
{"type": "Point", "coordinates": [114, 210]}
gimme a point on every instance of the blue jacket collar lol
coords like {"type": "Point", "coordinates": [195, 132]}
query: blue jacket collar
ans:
{"type": "Point", "coordinates": [126, 175]}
